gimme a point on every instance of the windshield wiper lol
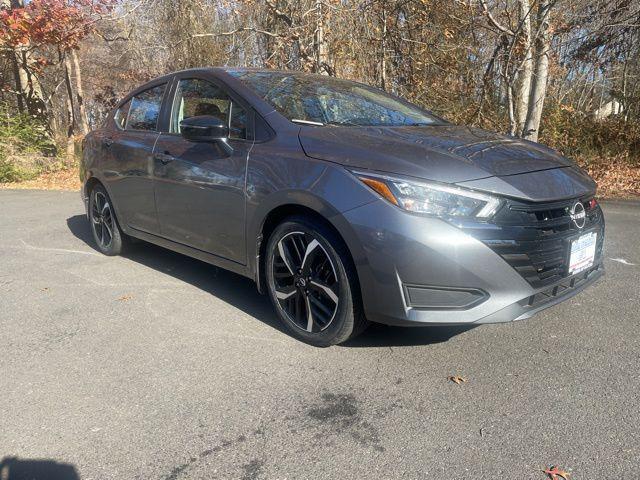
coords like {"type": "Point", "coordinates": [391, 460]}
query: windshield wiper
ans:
{"type": "Point", "coordinates": [320, 124]}
{"type": "Point", "coordinates": [335, 122]}
{"type": "Point", "coordinates": [307, 122]}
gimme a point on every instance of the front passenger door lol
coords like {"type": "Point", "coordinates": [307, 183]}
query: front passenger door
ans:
{"type": "Point", "coordinates": [200, 186]}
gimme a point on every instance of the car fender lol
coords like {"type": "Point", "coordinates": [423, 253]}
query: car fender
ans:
{"type": "Point", "coordinates": [95, 174]}
{"type": "Point", "coordinates": [333, 192]}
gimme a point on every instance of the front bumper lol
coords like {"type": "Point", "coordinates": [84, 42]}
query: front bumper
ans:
{"type": "Point", "coordinates": [545, 298]}
{"type": "Point", "coordinates": [404, 260]}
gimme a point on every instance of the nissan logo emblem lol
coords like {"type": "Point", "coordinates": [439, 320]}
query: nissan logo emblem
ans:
{"type": "Point", "coordinates": [578, 215]}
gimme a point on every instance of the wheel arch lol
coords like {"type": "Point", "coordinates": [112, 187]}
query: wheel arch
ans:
{"type": "Point", "coordinates": [89, 184]}
{"type": "Point", "coordinates": [274, 218]}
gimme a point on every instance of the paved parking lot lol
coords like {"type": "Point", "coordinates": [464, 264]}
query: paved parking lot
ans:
{"type": "Point", "coordinates": [156, 366]}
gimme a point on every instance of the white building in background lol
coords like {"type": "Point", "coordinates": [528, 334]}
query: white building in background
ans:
{"type": "Point", "coordinates": [609, 109]}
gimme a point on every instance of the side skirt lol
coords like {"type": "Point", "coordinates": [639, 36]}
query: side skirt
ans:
{"type": "Point", "coordinates": [191, 252]}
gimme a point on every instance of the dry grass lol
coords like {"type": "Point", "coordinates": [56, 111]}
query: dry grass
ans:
{"type": "Point", "coordinates": [64, 179]}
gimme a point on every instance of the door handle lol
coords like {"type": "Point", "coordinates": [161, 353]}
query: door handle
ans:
{"type": "Point", "coordinates": [164, 158]}
{"type": "Point", "coordinates": [108, 142]}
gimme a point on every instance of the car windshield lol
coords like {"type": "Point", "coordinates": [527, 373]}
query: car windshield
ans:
{"type": "Point", "coordinates": [313, 98]}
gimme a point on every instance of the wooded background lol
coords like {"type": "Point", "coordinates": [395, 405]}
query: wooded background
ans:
{"type": "Point", "coordinates": [563, 72]}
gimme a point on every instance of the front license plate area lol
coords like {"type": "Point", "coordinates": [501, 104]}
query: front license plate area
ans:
{"type": "Point", "coordinates": [582, 252]}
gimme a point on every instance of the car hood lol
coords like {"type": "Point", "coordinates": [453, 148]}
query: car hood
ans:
{"type": "Point", "coordinates": [443, 153]}
{"type": "Point", "coordinates": [452, 154]}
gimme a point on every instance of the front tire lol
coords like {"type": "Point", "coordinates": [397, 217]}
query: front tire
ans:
{"type": "Point", "coordinates": [312, 283]}
{"type": "Point", "coordinates": [104, 224]}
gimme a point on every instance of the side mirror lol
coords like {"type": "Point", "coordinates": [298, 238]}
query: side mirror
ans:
{"type": "Point", "coordinates": [204, 128]}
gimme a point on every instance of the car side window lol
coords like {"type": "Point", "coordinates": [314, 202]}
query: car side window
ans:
{"type": "Point", "coordinates": [196, 97]}
{"type": "Point", "coordinates": [145, 109]}
{"type": "Point", "coordinates": [121, 115]}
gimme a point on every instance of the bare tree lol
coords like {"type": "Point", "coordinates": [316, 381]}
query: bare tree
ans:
{"type": "Point", "coordinates": [540, 77]}
{"type": "Point", "coordinates": [526, 72]}
{"type": "Point", "coordinates": [500, 64]}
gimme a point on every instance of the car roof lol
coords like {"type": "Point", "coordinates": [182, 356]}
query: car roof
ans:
{"type": "Point", "coordinates": [227, 74]}
{"type": "Point", "coordinates": [231, 71]}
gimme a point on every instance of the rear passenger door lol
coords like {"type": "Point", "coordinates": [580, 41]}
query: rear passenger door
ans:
{"type": "Point", "coordinates": [129, 172]}
{"type": "Point", "coordinates": [200, 186]}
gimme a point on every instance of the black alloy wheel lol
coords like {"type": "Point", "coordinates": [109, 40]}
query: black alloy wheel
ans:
{"type": "Point", "coordinates": [104, 224]}
{"type": "Point", "coordinates": [312, 281]}
{"type": "Point", "coordinates": [102, 220]}
{"type": "Point", "coordinates": [306, 284]}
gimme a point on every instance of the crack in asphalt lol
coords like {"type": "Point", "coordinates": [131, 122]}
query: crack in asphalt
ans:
{"type": "Point", "coordinates": [178, 470]}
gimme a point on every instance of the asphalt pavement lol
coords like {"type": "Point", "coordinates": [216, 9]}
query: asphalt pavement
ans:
{"type": "Point", "coordinates": [157, 366]}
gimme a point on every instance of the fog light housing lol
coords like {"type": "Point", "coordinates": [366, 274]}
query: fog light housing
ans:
{"type": "Point", "coordinates": [443, 298]}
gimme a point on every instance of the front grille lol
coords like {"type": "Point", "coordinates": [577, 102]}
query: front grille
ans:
{"type": "Point", "coordinates": [534, 238]}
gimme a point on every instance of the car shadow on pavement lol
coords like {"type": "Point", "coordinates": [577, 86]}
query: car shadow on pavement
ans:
{"type": "Point", "coordinates": [13, 468]}
{"type": "Point", "coordinates": [241, 292]}
{"type": "Point", "coordinates": [231, 288]}
{"type": "Point", "coordinates": [378, 335]}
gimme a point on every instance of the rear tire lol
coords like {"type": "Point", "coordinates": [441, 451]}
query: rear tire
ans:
{"type": "Point", "coordinates": [312, 282]}
{"type": "Point", "coordinates": [104, 224]}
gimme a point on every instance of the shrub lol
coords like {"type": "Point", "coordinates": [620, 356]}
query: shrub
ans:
{"type": "Point", "coordinates": [26, 148]}
{"type": "Point", "coordinates": [12, 173]}
{"type": "Point", "coordinates": [587, 139]}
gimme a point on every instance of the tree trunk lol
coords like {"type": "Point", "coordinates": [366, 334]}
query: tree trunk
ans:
{"type": "Point", "coordinates": [83, 124]}
{"type": "Point", "coordinates": [541, 73]}
{"type": "Point", "coordinates": [71, 117]}
{"type": "Point", "coordinates": [526, 72]}
{"type": "Point", "coordinates": [383, 50]}
{"type": "Point", "coordinates": [20, 93]}
{"type": "Point", "coordinates": [322, 53]}
{"type": "Point", "coordinates": [15, 67]}
{"type": "Point", "coordinates": [30, 86]}
{"type": "Point", "coordinates": [511, 108]}
{"type": "Point", "coordinates": [624, 104]}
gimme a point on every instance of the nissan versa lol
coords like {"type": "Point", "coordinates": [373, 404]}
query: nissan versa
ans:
{"type": "Point", "coordinates": [344, 203]}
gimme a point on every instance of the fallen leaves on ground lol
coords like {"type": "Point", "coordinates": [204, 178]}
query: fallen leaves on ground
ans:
{"type": "Point", "coordinates": [554, 473]}
{"type": "Point", "coordinates": [457, 379]}
{"type": "Point", "coordinates": [615, 178]}
{"type": "Point", "coordinates": [67, 179]}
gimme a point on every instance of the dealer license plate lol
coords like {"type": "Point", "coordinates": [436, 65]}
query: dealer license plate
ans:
{"type": "Point", "coordinates": [583, 252]}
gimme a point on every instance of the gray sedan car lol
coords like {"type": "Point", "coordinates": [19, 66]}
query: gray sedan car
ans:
{"type": "Point", "coordinates": [344, 203]}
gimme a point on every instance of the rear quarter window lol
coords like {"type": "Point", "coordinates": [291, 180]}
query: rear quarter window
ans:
{"type": "Point", "coordinates": [145, 109]}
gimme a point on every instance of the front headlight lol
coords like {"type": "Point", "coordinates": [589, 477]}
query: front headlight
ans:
{"type": "Point", "coordinates": [432, 198]}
